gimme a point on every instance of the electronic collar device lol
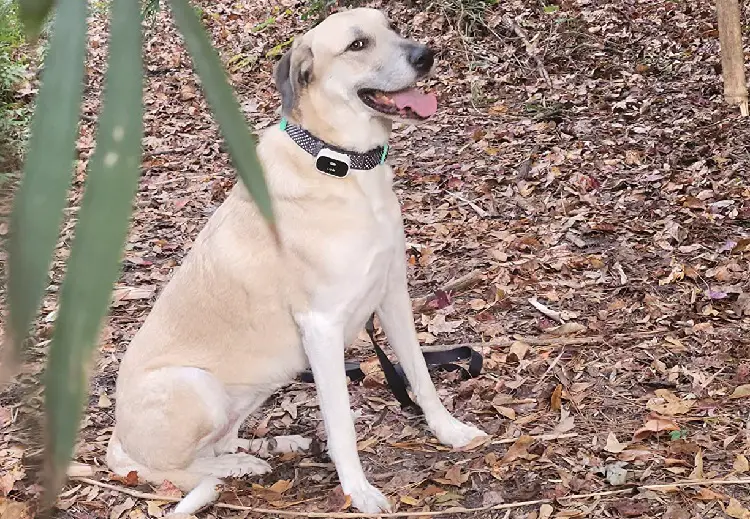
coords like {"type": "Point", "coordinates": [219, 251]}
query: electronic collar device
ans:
{"type": "Point", "coordinates": [330, 159]}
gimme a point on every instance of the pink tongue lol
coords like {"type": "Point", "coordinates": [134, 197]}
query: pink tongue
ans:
{"type": "Point", "coordinates": [422, 104]}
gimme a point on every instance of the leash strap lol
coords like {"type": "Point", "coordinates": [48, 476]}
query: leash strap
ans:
{"type": "Point", "coordinates": [394, 380]}
{"type": "Point", "coordinates": [394, 373]}
{"type": "Point", "coordinates": [312, 145]}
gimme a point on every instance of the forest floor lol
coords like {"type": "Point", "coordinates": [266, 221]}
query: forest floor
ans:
{"type": "Point", "coordinates": [593, 169]}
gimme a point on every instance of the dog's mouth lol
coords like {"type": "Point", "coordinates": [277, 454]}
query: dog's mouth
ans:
{"type": "Point", "coordinates": [408, 103]}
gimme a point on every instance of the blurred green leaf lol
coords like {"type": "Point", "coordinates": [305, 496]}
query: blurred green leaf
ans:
{"type": "Point", "coordinates": [41, 197]}
{"type": "Point", "coordinates": [33, 13]}
{"type": "Point", "coordinates": [100, 233]}
{"type": "Point", "coordinates": [235, 129]}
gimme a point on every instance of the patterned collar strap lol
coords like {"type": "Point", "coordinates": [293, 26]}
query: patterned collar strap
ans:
{"type": "Point", "coordinates": [330, 159]}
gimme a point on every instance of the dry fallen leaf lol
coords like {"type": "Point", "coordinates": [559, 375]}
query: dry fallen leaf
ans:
{"type": "Point", "coordinates": [706, 494]}
{"type": "Point", "coordinates": [507, 412]}
{"type": "Point", "coordinates": [613, 445]}
{"type": "Point", "coordinates": [545, 511]}
{"type": "Point", "coordinates": [440, 325]}
{"type": "Point", "coordinates": [740, 464]}
{"type": "Point", "coordinates": [120, 509]}
{"type": "Point", "coordinates": [698, 470]}
{"type": "Point", "coordinates": [454, 476]}
{"type": "Point", "coordinates": [741, 391]}
{"type": "Point", "coordinates": [669, 404]}
{"type": "Point", "coordinates": [736, 510]}
{"type": "Point", "coordinates": [337, 500]}
{"type": "Point", "coordinates": [519, 449]}
{"type": "Point", "coordinates": [567, 422]}
{"type": "Point", "coordinates": [632, 507]}
{"type": "Point", "coordinates": [655, 425]}
{"type": "Point", "coordinates": [517, 351]}
{"type": "Point", "coordinates": [281, 486]}
{"type": "Point", "coordinates": [556, 398]}
{"type": "Point", "coordinates": [566, 329]}
{"type": "Point", "coordinates": [13, 510]}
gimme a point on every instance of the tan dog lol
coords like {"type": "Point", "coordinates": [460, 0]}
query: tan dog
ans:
{"type": "Point", "coordinates": [241, 317]}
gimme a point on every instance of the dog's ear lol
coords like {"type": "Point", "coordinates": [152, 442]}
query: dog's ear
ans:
{"type": "Point", "coordinates": [293, 72]}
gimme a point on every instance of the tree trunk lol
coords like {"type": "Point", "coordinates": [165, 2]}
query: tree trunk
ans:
{"type": "Point", "coordinates": [732, 62]}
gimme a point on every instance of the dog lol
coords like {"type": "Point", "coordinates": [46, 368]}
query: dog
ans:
{"type": "Point", "coordinates": [244, 315]}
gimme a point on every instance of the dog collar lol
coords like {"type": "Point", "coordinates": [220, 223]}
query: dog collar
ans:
{"type": "Point", "coordinates": [330, 159]}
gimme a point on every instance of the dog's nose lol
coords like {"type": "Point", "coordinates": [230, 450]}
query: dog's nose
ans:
{"type": "Point", "coordinates": [422, 58]}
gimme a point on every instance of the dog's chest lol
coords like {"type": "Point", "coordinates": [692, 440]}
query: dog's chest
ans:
{"type": "Point", "coordinates": [361, 259]}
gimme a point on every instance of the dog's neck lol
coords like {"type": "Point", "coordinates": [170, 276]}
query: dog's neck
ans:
{"type": "Point", "coordinates": [351, 130]}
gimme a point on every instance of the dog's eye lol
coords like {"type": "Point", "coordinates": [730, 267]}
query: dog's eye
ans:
{"type": "Point", "coordinates": [358, 44]}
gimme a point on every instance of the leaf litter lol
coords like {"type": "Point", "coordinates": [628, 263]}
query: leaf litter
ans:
{"type": "Point", "coordinates": [616, 196]}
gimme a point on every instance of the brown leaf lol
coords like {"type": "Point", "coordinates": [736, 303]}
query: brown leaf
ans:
{"type": "Point", "coordinates": [556, 398]}
{"type": "Point", "coordinates": [168, 489]}
{"type": "Point", "coordinates": [698, 470]}
{"type": "Point", "coordinates": [740, 464]}
{"type": "Point", "coordinates": [519, 449]}
{"type": "Point", "coordinates": [566, 329]}
{"type": "Point", "coordinates": [408, 500]}
{"type": "Point", "coordinates": [631, 507]}
{"type": "Point", "coordinates": [453, 476]}
{"type": "Point", "coordinates": [517, 352]}
{"type": "Point", "coordinates": [337, 500]}
{"type": "Point", "coordinates": [130, 480]}
{"type": "Point", "coordinates": [8, 480]}
{"type": "Point", "coordinates": [281, 486]}
{"type": "Point", "coordinates": [655, 425]}
{"type": "Point", "coordinates": [669, 404]}
{"type": "Point", "coordinates": [693, 203]}
{"type": "Point", "coordinates": [706, 494]}
{"type": "Point", "coordinates": [545, 511]}
{"type": "Point", "coordinates": [154, 508]}
{"type": "Point", "coordinates": [507, 412]}
{"type": "Point", "coordinates": [13, 510]}
{"type": "Point", "coordinates": [741, 391]}
{"type": "Point", "coordinates": [736, 510]}
{"type": "Point", "coordinates": [120, 509]}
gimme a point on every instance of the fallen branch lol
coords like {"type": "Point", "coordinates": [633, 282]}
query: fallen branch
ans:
{"type": "Point", "coordinates": [462, 283]}
{"type": "Point", "coordinates": [531, 49]}
{"type": "Point", "coordinates": [454, 510]}
{"type": "Point", "coordinates": [541, 437]}
{"type": "Point", "coordinates": [549, 341]}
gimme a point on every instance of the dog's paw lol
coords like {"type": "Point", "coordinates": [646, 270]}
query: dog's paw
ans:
{"type": "Point", "coordinates": [366, 498]}
{"type": "Point", "coordinates": [455, 433]}
{"type": "Point", "coordinates": [235, 465]}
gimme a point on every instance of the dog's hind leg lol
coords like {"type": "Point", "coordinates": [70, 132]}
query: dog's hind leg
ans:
{"type": "Point", "coordinates": [180, 424]}
{"type": "Point", "coordinates": [395, 314]}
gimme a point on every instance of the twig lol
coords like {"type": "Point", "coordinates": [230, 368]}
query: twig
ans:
{"type": "Point", "coordinates": [530, 49]}
{"type": "Point", "coordinates": [455, 510]}
{"type": "Point", "coordinates": [541, 437]}
{"type": "Point", "coordinates": [551, 367]}
{"type": "Point", "coordinates": [127, 491]}
{"type": "Point", "coordinates": [481, 212]}
{"type": "Point", "coordinates": [552, 314]}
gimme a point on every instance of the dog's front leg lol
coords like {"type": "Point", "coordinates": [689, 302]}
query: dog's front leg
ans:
{"type": "Point", "coordinates": [395, 314]}
{"type": "Point", "coordinates": [323, 341]}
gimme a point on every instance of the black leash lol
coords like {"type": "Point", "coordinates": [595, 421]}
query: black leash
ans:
{"type": "Point", "coordinates": [394, 374]}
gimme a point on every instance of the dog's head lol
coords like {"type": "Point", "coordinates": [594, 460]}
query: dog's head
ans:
{"type": "Point", "coordinates": [355, 62]}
